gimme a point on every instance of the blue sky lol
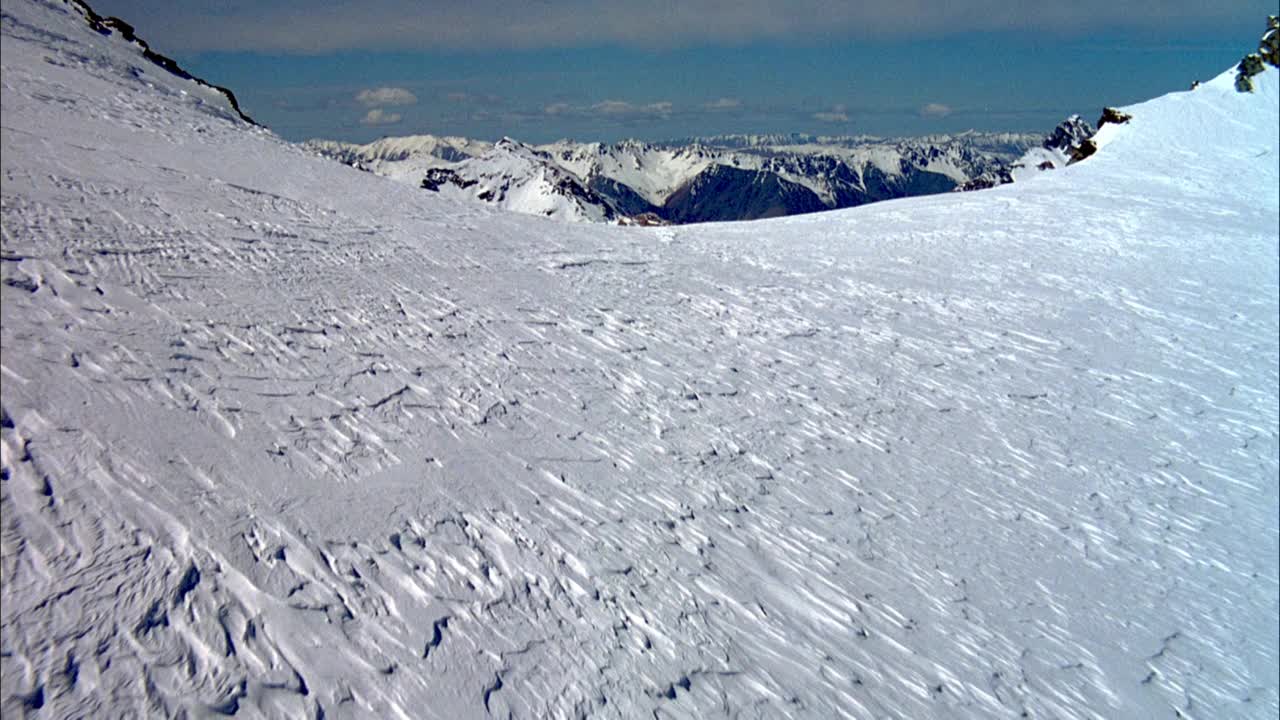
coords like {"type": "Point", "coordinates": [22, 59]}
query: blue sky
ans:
{"type": "Point", "coordinates": [611, 69]}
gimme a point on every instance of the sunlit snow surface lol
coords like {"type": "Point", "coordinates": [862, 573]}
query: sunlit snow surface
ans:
{"type": "Point", "coordinates": [281, 437]}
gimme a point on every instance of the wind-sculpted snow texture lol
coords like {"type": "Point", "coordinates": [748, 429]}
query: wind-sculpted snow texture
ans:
{"type": "Point", "coordinates": [281, 438]}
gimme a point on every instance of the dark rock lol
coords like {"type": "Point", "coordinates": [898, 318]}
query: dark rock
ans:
{"type": "Point", "coordinates": [1087, 148]}
{"type": "Point", "coordinates": [1251, 65]}
{"type": "Point", "coordinates": [1112, 115]}
{"type": "Point", "coordinates": [647, 219]}
{"type": "Point", "coordinates": [1268, 54]}
{"type": "Point", "coordinates": [986, 180]}
{"type": "Point", "coordinates": [437, 177]}
{"type": "Point", "coordinates": [1269, 46]}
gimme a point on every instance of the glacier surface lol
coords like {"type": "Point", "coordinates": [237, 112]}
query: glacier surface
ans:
{"type": "Point", "coordinates": [285, 439]}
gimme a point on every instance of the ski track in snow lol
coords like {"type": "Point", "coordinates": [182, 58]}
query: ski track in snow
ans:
{"type": "Point", "coordinates": [282, 438]}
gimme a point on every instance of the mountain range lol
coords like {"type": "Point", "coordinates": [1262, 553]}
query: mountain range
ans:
{"type": "Point", "coordinates": [735, 177]}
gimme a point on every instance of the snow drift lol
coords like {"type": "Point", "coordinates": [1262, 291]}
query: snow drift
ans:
{"type": "Point", "coordinates": [282, 438]}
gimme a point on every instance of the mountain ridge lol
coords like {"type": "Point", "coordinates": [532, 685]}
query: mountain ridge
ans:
{"type": "Point", "coordinates": [616, 181]}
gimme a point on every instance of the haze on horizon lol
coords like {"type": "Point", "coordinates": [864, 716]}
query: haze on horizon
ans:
{"type": "Point", "coordinates": [612, 70]}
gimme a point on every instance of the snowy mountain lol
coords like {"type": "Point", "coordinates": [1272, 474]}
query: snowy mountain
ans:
{"type": "Point", "coordinates": [1055, 152]}
{"type": "Point", "coordinates": [516, 177]}
{"type": "Point", "coordinates": [696, 180]}
{"type": "Point", "coordinates": [279, 438]}
{"type": "Point", "coordinates": [406, 159]}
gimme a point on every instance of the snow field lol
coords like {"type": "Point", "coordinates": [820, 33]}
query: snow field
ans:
{"type": "Point", "coordinates": [285, 439]}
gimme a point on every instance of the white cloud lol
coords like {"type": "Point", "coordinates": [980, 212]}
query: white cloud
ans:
{"type": "Point", "coordinates": [724, 103]}
{"type": "Point", "coordinates": [836, 114]}
{"type": "Point", "coordinates": [658, 108]}
{"type": "Point", "coordinates": [613, 107]}
{"type": "Point", "coordinates": [935, 110]}
{"type": "Point", "coordinates": [378, 116]}
{"type": "Point", "coordinates": [621, 109]}
{"type": "Point", "coordinates": [386, 96]}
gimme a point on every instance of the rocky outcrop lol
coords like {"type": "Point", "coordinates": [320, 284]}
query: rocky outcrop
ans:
{"type": "Point", "coordinates": [1268, 54]}
{"type": "Point", "coordinates": [987, 180]}
{"type": "Point", "coordinates": [1269, 46]}
{"type": "Point", "coordinates": [1086, 149]}
{"type": "Point", "coordinates": [647, 219]}
{"type": "Point", "coordinates": [1249, 66]}
{"type": "Point", "coordinates": [437, 178]}
{"type": "Point", "coordinates": [1112, 115]}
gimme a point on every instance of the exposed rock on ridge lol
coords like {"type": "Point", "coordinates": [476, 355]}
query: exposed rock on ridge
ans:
{"type": "Point", "coordinates": [109, 25]}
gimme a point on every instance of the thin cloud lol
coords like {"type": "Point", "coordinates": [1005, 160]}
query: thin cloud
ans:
{"type": "Point", "coordinates": [658, 108]}
{"type": "Point", "coordinates": [836, 114]}
{"type": "Point", "coordinates": [935, 110]}
{"type": "Point", "coordinates": [724, 103]}
{"type": "Point", "coordinates": [374, 97]}
{"type": "Point", "coordinates": [613, 108]}
{"type": "Point", "coordinates": [622, 107]}
{"type": "Point", "coordinates": [302, 26]}
{"type": "Point", "coordinates": [378, 116]}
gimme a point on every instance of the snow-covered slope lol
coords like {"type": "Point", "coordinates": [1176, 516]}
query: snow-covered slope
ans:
{"type": "Point", "coordinates": [516, 177]}
{"type": "Point", "coordinates": [405, 158]}
{"type": "Point", "coordinates": [285, 439]}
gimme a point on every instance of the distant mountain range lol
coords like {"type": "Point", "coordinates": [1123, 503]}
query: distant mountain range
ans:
{"type": "Point", "coordinates": [728, 177]}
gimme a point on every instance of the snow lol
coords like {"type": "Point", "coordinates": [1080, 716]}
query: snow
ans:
{"type": "Point", "coordinates": [405, 158]}
{"type": "Point", "coordinates": [514, 177]}
{"type": "Point", "coordinates": [280, 436]}
{"type": "Point", "coordinates": [653, 172]}
{"type": "Point", "coordinates": [1034, 161]}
